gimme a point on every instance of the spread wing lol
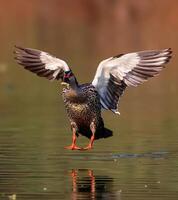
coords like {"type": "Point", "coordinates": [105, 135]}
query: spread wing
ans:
{"type": "Point", "coordinates": [114, 74]}
{"type": "Point", "coordinates": [41, 63]}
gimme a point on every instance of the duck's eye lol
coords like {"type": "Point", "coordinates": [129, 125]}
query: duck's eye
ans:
{"type": "Point", "coordinates": [68, 74]}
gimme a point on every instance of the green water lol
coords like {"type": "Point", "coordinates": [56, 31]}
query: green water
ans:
{"type": "Point", "coordinates": [139, 162]}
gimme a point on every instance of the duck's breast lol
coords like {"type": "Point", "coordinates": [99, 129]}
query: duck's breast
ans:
{"type": "Point", "coordinates": [82, 107]}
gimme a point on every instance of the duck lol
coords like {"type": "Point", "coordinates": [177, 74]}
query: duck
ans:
{"type": "Point", "coordinates": [86, 102]}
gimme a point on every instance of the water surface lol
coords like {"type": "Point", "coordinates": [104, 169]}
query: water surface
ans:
{"type": "Point", "coordinates": [139, 162]}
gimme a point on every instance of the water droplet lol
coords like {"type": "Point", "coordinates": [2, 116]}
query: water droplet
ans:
{"type": "Point", "coordinates": [158, 182]}
{"type": "Point", "coordinates": [12, 197]}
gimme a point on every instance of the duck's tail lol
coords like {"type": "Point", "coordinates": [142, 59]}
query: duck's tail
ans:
{"type": "Point", "coordinates": [103, 133]}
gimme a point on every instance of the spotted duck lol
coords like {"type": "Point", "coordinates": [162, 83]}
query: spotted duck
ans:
{"type": "Point", "coordinates": [85, 102]}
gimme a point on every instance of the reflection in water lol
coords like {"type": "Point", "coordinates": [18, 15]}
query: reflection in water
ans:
{"type": "Point", "coordinates": [85, 185]}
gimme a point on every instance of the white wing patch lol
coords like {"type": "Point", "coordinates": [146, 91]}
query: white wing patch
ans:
{"type": "Point", "coordinates": [41, 63]}
{"type": "Point", "coordinates": [53, 63]}
{"type": "Point", "coordinates": [114, 74]}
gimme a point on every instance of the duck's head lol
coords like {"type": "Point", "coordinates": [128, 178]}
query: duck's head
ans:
{"type": "Point", "coordinates": [69, 80]}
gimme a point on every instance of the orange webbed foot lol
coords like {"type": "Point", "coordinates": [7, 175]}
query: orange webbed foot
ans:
{"type": "Point", "coordinates": [73, 147]}
{"type": "Point", "coordinates": [89, 147]}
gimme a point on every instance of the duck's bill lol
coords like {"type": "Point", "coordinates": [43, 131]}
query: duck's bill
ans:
{"type": "Point", "coordinates": [65, 84]}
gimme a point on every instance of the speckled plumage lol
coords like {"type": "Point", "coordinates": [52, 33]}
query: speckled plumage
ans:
{"type": "Point", "coordinates": [83, 109]}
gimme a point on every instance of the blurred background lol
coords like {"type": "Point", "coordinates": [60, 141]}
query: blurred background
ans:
{"type": "Point", "coordinates": [33, 123]}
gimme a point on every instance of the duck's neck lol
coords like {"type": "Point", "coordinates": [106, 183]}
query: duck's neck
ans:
{"type": "Point", "coordinates": [75, 94]}
{"type": "Point", "coordinates": [74, 83]}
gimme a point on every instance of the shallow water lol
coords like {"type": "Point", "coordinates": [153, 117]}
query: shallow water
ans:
{"type": "Point", "coordinates": [140, 161]}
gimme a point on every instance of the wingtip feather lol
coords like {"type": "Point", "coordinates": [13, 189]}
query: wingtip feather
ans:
{"type": "Point", "coordinates": [115, 111]}
{"type": "Point", "coordinates": [18, 47]}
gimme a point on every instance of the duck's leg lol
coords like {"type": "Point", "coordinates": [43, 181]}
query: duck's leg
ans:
{"type": "Point", "coordinates": [73, 146]}
{"type": "Point", "coordinates": [93, 130]}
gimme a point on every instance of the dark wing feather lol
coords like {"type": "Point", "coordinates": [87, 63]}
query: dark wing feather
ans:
{"type": "Point", "coordinates": [115, 89]}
